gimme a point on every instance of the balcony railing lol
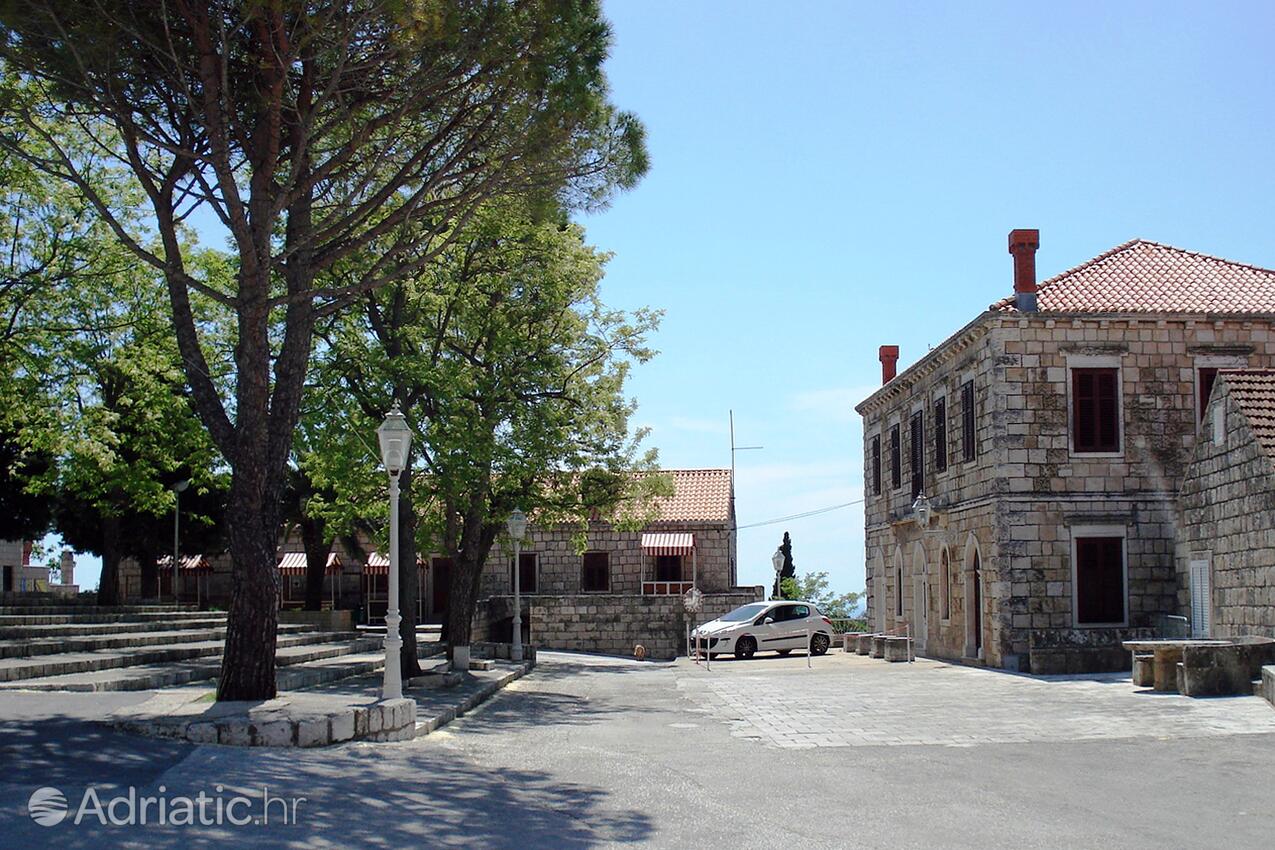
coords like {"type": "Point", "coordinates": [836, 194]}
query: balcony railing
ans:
{"type": "Point", "coordinates": [665, 588]}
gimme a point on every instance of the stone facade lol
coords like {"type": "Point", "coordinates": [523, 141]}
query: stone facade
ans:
{"type": "Point", "coordinates": [1228, 514]}
{"type": "Point", "coordinates": [1015, 509]}
{"type": "Point", "coordinates": [17, 573]}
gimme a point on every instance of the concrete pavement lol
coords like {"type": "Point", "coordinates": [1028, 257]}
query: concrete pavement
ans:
{"type": "Point", "coordinates": [590, 752]}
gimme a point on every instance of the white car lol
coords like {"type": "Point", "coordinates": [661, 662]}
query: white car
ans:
{"type": "Point", "coordinates": [781, 625]}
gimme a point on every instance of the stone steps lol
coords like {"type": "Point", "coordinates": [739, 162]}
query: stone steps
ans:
{"type": "Point", "coordinates": [14, 670]}
{"type": "Point", "coordinates": [298, 666]}
{"type": "Point", "coordinates": [78, 642]}
{"type": "Point", "coordinates": [63, 608]}
{"type": "Point", "coordinates": [101, 616]}
{"type": "Point", "coordinates": [56, 630]}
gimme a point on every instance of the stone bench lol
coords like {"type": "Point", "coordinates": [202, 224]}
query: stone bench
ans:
{"type": "Point", "coordinates": [1223, 670]}
{"type": "Point", "coordinates": [864, 644]}
{"type": "Point", "coordinates": [850, 641]}
{"type": "Point", "coordinates": [878, 646]}
{"type": "Point", "coordinates": [1144, 669]}
{"type": "Point", "coordinates": [897, 649]}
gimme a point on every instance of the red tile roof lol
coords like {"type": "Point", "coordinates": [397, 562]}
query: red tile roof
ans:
{"type": "Point", "coordinates": [1253, 391]}
{"type": "Point", "coordinates": [1148, 277]}
{"type": "Point", "coordinates": [698, 494]}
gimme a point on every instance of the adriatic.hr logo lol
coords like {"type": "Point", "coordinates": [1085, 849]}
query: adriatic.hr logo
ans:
{"type": "Point", "coordinates": [48, 807]}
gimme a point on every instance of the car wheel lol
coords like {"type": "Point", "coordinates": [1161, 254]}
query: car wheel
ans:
{"type": "Point", "coordinates": [784, 651]}
{"type": "Point", "coordinates": [819, 644]}
{"type": "Point", "coordinates": [745, 647]}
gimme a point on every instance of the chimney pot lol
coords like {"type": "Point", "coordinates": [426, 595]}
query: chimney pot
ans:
{"type": "Point", "coordinates": [889, 355]}
{"type": "Point", "coordinates": [1023, 245]}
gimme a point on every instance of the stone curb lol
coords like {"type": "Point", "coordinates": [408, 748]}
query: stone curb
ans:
{"type": "Point", "coordinates": [388, 720]}
{"type": "Point", "coordinates": [486, 692]}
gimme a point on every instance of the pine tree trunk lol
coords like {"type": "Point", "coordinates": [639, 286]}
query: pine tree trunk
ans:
{"type": "Point", "coordinates": [408, 577]}
{"type": "Point", "coordinates": [248, 663]}
{"type": "Point", "coordinates": [317, 548]}
{"type": "Point", "coordinates": [108, 588]}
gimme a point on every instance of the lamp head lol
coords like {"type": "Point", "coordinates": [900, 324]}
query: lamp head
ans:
{"type": "Point", "coordinates": [395, 438]}
{"type": "Point", "coordinates": [517, 524]}
{"type": "Point", "coordinates": [777, 560]}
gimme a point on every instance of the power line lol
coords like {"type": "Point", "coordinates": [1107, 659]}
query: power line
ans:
{"type": "Point", "coordinates": [815, 512]}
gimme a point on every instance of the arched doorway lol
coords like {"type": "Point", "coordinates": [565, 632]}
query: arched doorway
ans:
{"type": "Point", "coordinates": [973, 599]}
{"type": "Point", "coordinates": [920, 602]}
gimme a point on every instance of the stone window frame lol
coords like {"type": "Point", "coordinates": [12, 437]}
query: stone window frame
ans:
{"type": "Point", "coordinates": [583, 555]}
{"type": "Point", "coordinates": [1096, 361]}
{"type": "Point", "coordinates": [917, 408]}
{"type": "Point", "coordinates": [940, 393]}
{"type": "Point", "coordinates": [1104, 530]}
{"type": "Point", "coordinates": [969, 455]}
{"type": "Point", "coordinates": [523, 590]}
{"type": "Point", "coordinates": [1210, 361]}
{"type": "Point", "coordinates": [945, 585]}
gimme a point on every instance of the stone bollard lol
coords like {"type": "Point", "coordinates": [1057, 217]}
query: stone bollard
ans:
{"type": "Point", "coordinates": [1143, 669]}
{"type": "Point", "coordinates": [865, 645]}
{"type": "Point", "coordinates": [850, 641]}
{"type": "Point", "coordinates": [878, 646]}
{"type": "Point", "coordinates": [898, 649]}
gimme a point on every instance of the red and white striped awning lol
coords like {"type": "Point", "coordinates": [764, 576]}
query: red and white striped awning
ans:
{"type": "Point", "coordinates": [668, 544]}
{"type": "Point", "coordinates": [293, 564]}
{"type": "Point", "coordinates": [379, 565]}
{"type": "Point", "coordinates": [186, 563]}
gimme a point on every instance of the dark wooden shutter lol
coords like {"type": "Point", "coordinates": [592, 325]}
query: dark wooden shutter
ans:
{"type": "Point", "coordinates": [1207, 377]}
{"type": "Point", "coordinates": [917, 450]}
{"type": "Point", "coordinates": [596, 572]}
{"type": "Point", "coordinates": [527, 575]}
{"type": "Point", "coordinates": [968, 436]}
{"type": "Point", "coordinates": [876, 465]}
{"type": "Point", "coordinates": [1100, 591]}
{"type": "Point", "coordinates": [1095, 410]}
{"type": "Point", "coordinates": [896, 459]}
{"type": "Point", "coordinates": [940, 435]}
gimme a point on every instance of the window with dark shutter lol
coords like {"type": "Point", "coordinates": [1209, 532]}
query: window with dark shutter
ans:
{"type": "Point", "coordinates": [526, 573]}
{"type": "Point", "coordinates": [1095, 407]}
{"type": "Point", "coordinates": [1100, 591]}
{"type": "Point", "coordinates": [896, 459]}
{"type": "Point", "coordinates": [968, 448]}
{"type": "Point", "coordinates": [940, 434]}
{"type": "Point", "coordinates": [1206, 378]}
{"type": "Point", "coordinates": [876, 465]}
{"type": "Point", "coordinates": [916, 448]}
{"type": "Point", "coordinates": [668, 567]}
{"type": "Point", "coordinates": [596, 573]}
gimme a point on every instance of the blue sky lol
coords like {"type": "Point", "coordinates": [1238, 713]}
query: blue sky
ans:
{"type": "Point", "coordinates": [828, 177]}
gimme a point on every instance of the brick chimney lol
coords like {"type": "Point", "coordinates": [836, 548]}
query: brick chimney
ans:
{"type": "Point", "coordinates": [1023, 245]}
{"type": "Point", "coordinates": [889, 355]}
{"type": "Point", "coordinates": [27, 546]}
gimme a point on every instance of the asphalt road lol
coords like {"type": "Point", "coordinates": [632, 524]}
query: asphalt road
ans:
{"type": "Point", "coordinates": [587, 752]}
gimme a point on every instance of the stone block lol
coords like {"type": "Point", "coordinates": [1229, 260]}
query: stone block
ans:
{"type": "Point", "coordinates": [234, 733]}
{"type": "Point", "coordinates": [202, 733]}
{"type": "Point", "coordinates": [272, 733]}
{"type": "Point", "coordinates": [313, 732]}
{"type": "Point", "coordinates": [375, 718]}
{"type": "Point", "coordinates": [897, 649]}
{"type": "Point", "coordinates": [342, 726]}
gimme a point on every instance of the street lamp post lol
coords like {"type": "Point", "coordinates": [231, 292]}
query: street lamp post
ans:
{"type": "Point", "coordinates": [517, 525]}
{"type": "Point", "coordinates": [395, 438]}
{"type": "Point", "coordinates": [777, 561]}
{"type": "Point", "coordinates": [178, 489]}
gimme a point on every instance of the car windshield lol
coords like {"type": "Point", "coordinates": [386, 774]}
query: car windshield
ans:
{"type": "Point", "coordinates": [747, 612]}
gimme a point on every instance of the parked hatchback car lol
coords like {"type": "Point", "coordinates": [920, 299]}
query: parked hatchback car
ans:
{"type": "Point", "coordinates": [780, 625]}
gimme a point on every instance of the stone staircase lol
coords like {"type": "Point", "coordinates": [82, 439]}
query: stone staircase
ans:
{"type": "Point", "coordinates": [50, 647]}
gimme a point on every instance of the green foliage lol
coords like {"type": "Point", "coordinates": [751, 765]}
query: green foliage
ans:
{"type": "Point", "coordinates": [813, 587]}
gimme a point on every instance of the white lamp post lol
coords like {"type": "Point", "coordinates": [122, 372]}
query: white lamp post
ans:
{"type": "Point", "coordinates": [178, 489]}
{"type": "Point", "coordinates": [395, 439]}
{"type": "Point", "coordinates": [777, 561]}
{"type": "Point", "coordinates": [517, 525]}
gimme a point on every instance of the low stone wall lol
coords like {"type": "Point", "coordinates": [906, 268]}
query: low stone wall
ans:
{"type": "Point", "coordinates": [609, 624]}
{"type": "Point", "coordinates": [1061, 651]}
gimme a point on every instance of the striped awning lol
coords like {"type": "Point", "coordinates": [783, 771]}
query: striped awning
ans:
{"type": "Point", "coordinates": [668, 544]}
{"type": "Point", "coordinates": [379, 565]}
{"type": "Point", "coordinates": [293, 564]}
{"type": "Point", "coordinates": [186, 564]}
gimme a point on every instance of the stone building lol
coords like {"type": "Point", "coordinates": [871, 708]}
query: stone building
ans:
{"type": "Point", "coordinates": [1050, 437]}
{"type": "Point", "coordinates": [17, 573]}
{"type": "Point", "coordinates": [626, 587]}
{"type": "Point", "coordinates": [1226, 541]}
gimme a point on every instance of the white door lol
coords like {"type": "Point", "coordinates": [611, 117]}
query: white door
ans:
{"type": "Point", "coordinates": [1201, 599]}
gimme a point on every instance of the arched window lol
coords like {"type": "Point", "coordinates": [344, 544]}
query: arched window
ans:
{"type": "Point", "coordinates": [898, 582]}
{"type": "Point", "coordinates": [945, 584]}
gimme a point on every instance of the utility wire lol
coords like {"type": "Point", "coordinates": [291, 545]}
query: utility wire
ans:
{"type": "Point", "coordinates": [815, 512]}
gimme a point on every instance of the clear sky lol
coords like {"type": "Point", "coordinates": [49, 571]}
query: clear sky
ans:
{"type": "Point", "coordinates": [830, 176]}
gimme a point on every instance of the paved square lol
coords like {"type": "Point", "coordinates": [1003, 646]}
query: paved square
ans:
{"type": "Point", "coordinates": [848, 700]}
